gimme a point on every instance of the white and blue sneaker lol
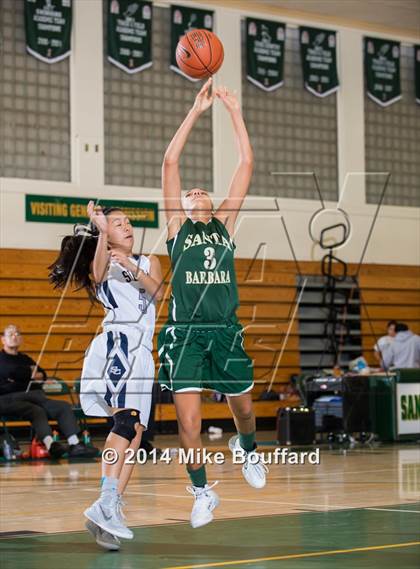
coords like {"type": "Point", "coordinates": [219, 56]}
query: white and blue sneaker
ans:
{"type": "Point", "coordinates": [107, 515]}
{"type": "Point", "coordinates": [120, 513]}
{"type": "Point", "coordinates": [253, 468]}
{"type": "Point", "coordinates": [206, 500]}
{"type": "Point", "coordinates": [102, 537]}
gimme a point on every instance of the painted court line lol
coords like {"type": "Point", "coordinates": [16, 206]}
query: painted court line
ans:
{"type": "Point", "coordinates": [390, 510]}
{"type": "Point", "coordinates": [248, 501]}
{"type": "Point", "coordinates": [296, 556]}
{"type": "Point", "coordinates": [323, 507]}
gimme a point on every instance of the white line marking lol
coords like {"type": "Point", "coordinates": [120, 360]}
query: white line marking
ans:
{"type": "Point", "coordinates": [391, 510]}
{"type": "Point", "coordinates": [324, 507]}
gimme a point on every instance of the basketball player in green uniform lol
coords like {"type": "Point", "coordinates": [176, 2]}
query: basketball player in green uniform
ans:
{"type": "Point", "coordinates": [201, 345]}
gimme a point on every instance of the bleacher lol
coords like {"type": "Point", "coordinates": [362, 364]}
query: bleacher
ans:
{"type": "Point", "coordinates": [61, 326]}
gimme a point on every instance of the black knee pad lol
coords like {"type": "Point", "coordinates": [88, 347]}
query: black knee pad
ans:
{"type": "Point", "coordinates": [125, 422]}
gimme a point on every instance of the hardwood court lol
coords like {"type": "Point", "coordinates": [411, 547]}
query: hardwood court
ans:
{"type": "Point", "coordinates": [359, 507]}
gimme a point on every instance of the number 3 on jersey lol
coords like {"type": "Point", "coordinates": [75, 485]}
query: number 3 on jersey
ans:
{"type": "Point", "coordinates": [210, 262]}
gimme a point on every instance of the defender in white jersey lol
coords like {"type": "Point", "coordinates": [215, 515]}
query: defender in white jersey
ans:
{"type": "Point", "coordinates": [118, 371]}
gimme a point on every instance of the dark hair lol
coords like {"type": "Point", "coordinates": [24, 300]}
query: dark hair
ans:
{"type": "Point", "coordinates": [401, 327]}
{"type": "Point", "coordinates": [76, 255]}
{"type": "Point", "coordinates": [391, 323]}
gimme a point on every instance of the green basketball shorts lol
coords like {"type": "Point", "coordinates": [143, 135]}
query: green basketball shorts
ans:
{"type": "Point", "coordinates": [196, 357]}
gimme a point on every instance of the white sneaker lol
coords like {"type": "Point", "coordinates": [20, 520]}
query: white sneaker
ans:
{"type": "Point", "coordinates": [119, 509]}
{"type": "Point", "coordinates": [107, 517]}
{"type": "Point", "coordinates": [253, 469]}
{"type": "Point", "coordinates": [205, 502]}
{"type": "Point", "coordinates": [102, 537]}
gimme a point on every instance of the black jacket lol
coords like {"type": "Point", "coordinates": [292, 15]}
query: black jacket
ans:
{"type": "Point", "coordinates": [15, 372]}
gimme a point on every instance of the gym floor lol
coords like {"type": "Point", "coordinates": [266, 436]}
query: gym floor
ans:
{"type": "Point", "coordinates": [358, 508]}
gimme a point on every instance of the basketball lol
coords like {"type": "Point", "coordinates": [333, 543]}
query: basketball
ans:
{"type": "Point", "coordinates": [199, 54]}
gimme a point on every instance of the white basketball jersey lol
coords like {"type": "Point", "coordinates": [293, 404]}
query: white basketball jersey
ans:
{"type": "Point", "coordinates": [126, 303]}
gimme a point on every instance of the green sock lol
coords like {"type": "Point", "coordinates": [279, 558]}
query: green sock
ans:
{"type": "Point", "coordinates": [247, 441]}
{"type": "Point", "coordinates": [198, 476]}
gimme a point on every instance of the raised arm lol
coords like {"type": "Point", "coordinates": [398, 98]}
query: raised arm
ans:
{"type": "Point", "coordinates": [229, 209]}
{"type": "Point", "coordinates": [157, 277]}
{"type": "Point", "coordinates": [100, 262]}
{"type": "Point", "coordinates": [171, 180]}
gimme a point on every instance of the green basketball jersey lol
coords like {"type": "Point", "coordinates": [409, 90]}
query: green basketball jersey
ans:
{"type": "Point", "coordinates": [203, 281]}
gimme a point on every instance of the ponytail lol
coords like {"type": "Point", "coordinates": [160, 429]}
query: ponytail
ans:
{"type": "Point", "coordinates": [76, 255]}
{"type": "Point", "coordinates": [74, 260]}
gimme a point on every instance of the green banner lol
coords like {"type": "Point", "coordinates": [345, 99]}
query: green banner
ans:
{"type": "Point", "coordinates": [417, 71]}
{"type": "Point", "coordinates": [48, 29]}
{"type": "Point", "coordinates": [265, 53]}
{"type": "Point", "coordinates": [382, 70]}
{"type": "Point", "coordinates": [59, 209]}
{"type": "Point", "coordinates": [319, 60]}
{"type": "Point", "coordinates": [130, 34]}
{"type": "Point", "coordinates": [183, 20]}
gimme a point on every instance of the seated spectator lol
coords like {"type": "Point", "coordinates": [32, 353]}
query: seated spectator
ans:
{"type": "Point", "coordinates": [17, 370]}
{"type": "Point", "coordinates": [404, 351]}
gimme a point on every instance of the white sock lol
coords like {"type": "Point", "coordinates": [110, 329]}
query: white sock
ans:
{"type": "Point", "coordinates": [109, 489]}
{"type": "Point", "coordinates": [48, 441]}
{"type": "Point", "coordinates": [109, 484]}
{"type": "Point", "coordinates": [73, 440]}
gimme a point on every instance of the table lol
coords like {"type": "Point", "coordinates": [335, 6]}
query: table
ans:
{"type": "Point", "coordinates": [394, 403]}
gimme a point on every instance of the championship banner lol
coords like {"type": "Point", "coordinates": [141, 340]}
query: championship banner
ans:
{"type": "Point", "coordinates": [130, 35]}
{"type": "Point", "coordinates": [265, 53]}
{"type": "Point", "coordinates": [382, 70]}
{"type": "Point", "coordinates": [319, 60]}
{"type": "Point", "coordinates": [183, 20]}
{"type": "Point", "coordinates": [417, 71]}
{"type": "Point", "coordinates": [60, 209]}
{"type": "Point", "coordinates": [48, 29]}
